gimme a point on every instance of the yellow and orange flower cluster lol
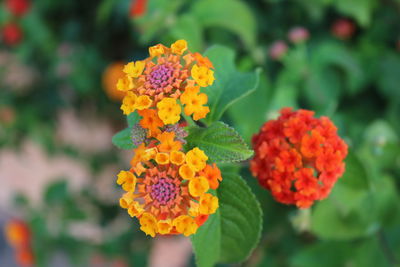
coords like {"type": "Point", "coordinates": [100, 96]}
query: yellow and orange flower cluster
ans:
{"type": "Point", "coordinates": [18, 236]}
{"type": "Point", "coordinates": [167, 189]}
{"type": "Point", "coordinates": [160, 84]}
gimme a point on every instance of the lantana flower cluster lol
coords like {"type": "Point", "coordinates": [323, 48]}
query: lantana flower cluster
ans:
{"type": "Point", "coordinates": [19, 237]}
{"type": "Point", "coordinates": [167, 188]}
{"type": "Point", "coordinates": [298, 157]}
{"type": "Point", "coordinates": [170, 78]}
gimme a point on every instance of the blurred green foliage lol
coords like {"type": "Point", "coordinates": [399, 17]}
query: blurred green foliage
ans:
{"type": "Point", "coordinates": [354, 80]}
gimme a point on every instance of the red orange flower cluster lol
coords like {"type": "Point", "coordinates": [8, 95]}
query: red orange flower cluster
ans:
{"type": "Point", "coordinates": [298, 157]}
{"type": "Point", "coordinates": [18, 236]}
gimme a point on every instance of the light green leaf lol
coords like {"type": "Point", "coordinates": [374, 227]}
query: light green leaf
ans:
{"type": "Point", "coordinates": [361, 10]}
{"type": "Point", "coordinates": [259, 101]}
{"type": "Point", "coordinates": [380, 132]}
{"type": "Point", "coordinates": [123, 139]}
{"type": "Point", "coordinates": [104, 10]}
{"type": "Point", "coordinates": [220, 142]}
{"type": "Point", "coordinates": [188, 28]}
{"type": "Point", "coordinates": [229, 85]}
{"type": "Point", "coordinates": [234, 230]}
{"type": "Point", "coordinates": [132, 119]}
{"type": "Point", "coordinates": [331, 54]}
{"type": "Point", "coordinates": [332, 254]}
{"type": "Point", "coordinates": [207, 241]}
{"type": "Point", "coordinates": [388, 79]}
{"type": "Point", "coordinates": [233, 15]}
{"type": "Point", "coordinates": [56, 192]}
{"type": "Point", "coordinates": [159, 17]}
{"type": "Point", "coordinates": [322, 90]}
{"type": "Point", "coordinates": [366, 253]}
{"type": "Point", "coordinates": [328, 223]}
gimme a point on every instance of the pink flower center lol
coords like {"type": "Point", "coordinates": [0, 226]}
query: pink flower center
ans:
{"type": "Point", "coordinates": [161, 76]}
{"type": "Point", "coordinates": [164, 190]}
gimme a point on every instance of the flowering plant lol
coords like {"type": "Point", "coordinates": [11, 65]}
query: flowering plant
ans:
{"type": "Point", "coordinates": [173, 100]}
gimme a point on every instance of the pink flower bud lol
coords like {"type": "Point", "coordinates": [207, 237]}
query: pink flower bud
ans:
{"type": "Point", "coordinates": [278, 49]}
{"type": "Point", "coordinates": [298, 34]}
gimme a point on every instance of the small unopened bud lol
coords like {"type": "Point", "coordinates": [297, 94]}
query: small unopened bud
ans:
{"type": "Point", "coordinates": [138, 134]}
{"type": "Point", "coordinates": [278, 49]}
{"type": "Point", "coordinates": [343, 29]}
{"type": "Point", "coordinates": [298, 34]}
{"type": "Point", "coordinates": [180, 132]}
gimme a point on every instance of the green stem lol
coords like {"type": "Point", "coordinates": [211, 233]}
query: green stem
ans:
{"type": "Point", "coordinates": [386, 248]}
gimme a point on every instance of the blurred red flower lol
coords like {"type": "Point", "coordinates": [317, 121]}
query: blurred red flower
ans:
{"type": "Point", "coordinates": [343, 29]}
{"type": "Point", "coordinates": [12, 34]}
{"type": "Point", "coordinates": [24, 257]}
{"type": "Point", "coordinates": [298, 157]}
{"type": "Point", "coordinates": [18, 7]}
{"type": "Point", "coordinates": [138, 8]}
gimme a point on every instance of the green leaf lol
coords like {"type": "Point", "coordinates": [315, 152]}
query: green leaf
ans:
{"type": "Point", "coordinates": [332, 254]}
{"type": "Point", "coordinates": [220, 142]}
{"type": "Point", "coordinates": [389, 76]}
{"type": "Point", "coordinates": [323, 90]}
{"type": "Point", "coordinates": [361, 10]}
{"type": "Point", "coordinates": [366, 253]}
{"type": "Point", "coordinates": [241, 219]}
{"type": "Point", "coordinates": [157, 19]}
{"type": "Point", "coordinates": [380, 132]}
{"type": "Point", "coordinates": [188, 28]}
{"type": "Point", "coordinates": [56, 192]}
{"type": "Point", "coordinates": [324, 84]}
{"type": "Point", "coordinates": [123, 139]}
{"type": "Point", "coordinates": [259, 101]}
{"type": "Point", "coordinates": [229, 85]}
{"type": "Point", "coordinates": [234, 231]}
{"type": "Point", "coordinates": [132, 119]}
{"type": "Point", "coordinates": [332, 54]}
{"type": "Point", "coordinates": [104, 10]}
{"type": "Point", "coordinates": [207, 241]}
{"type": "Point", "coordinates": [233, 15]}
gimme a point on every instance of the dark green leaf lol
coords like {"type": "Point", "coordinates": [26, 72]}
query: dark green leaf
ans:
{"type": "Point", "coordinates": [123, 139]}
{"type": "Point", "coordinates": [229, 85]}
{"type": "Point", "coordinates": [361, 10]}
{"type": "Point", "coordinates": [259, 101]}
{"type": "Point", "coordinates": [188, 28]}
{"type": "Point", "coordinates": [233, 15]}
{"type": "Point", "coordinates": [389, 76]}
{"type": "Point", "coordinates": [234, 231]}
{"type": "Point", "coordinates": [132, 119]}
{"type": "Point", "coordinates": [56, 192]}
{"type": "Point", "coordinates": [207, 241]}
{"type": "Point", "coordinates": [220, 142]}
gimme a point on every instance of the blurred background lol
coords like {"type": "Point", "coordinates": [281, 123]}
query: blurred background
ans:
{"type": "Point", "coordinates": [59, 62]}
